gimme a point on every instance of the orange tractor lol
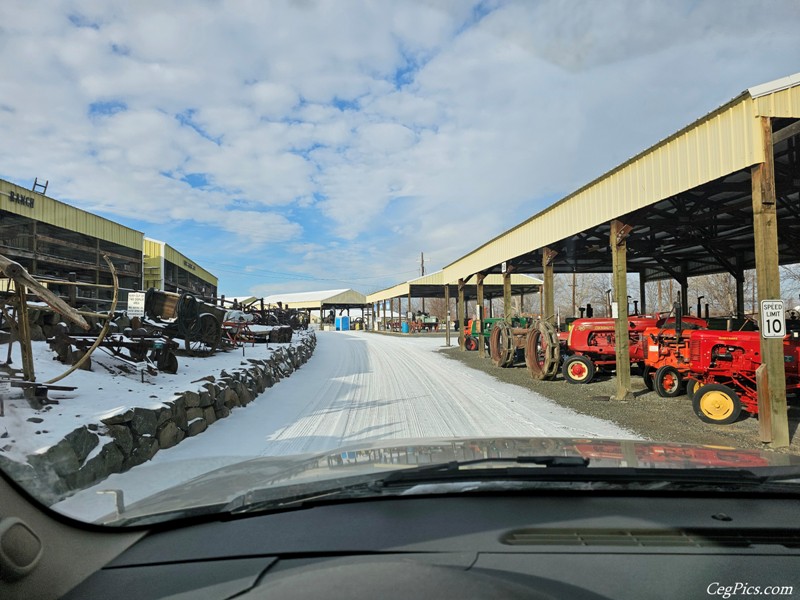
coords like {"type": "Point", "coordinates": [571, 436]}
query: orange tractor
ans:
{"type": "Point", "coordinates": [665, 353]}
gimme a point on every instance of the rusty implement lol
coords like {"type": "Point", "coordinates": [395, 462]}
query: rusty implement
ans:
{"type": "Point", "coordinates": [187, 317]}
{"type": "Point", "coordinates": [134, 347]}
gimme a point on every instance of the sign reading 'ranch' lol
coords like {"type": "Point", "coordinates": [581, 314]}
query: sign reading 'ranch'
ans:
{"type": "Point", "coordinates": [20, 199]}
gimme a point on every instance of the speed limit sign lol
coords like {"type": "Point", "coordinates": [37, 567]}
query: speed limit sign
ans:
{"type": "Point", "coordinates": [773, 324]}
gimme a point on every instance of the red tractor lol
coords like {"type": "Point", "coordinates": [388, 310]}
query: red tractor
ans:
{"type": "Point", "coordinates": [665, 351]}
{"type": "Point", "coordinates": [724, 364]}
{"type": "Point", "coordinates": [591, 345]}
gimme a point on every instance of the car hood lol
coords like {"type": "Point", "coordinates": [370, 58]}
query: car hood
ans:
{"type": "Point", "coordinates": [292, 473]}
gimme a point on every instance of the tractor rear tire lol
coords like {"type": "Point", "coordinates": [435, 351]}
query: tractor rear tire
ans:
{"type": "Point", "coordinates": [692, 385]}
{"type": "Point", "coordinates": [668, 382]}
{"type": "Point", "coordinates": [716, 403]}
{"type": "Point", "coordinates": [647, 376]}
{"type": "Point", "coordinates": [471, 343]}
{"type": "Point", "coordinates": [578, 369]}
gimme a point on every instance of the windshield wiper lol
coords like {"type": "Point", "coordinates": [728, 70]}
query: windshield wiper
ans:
{"type": "Point", "coordinates": [573, 469]}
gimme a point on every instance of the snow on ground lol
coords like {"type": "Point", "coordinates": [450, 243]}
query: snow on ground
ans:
{"type": "Point", "coordinates": [358, 386]}
{"type": "Point", "coordinates": [109, 388]}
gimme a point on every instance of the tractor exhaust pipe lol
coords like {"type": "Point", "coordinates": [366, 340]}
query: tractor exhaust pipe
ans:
{"type": "Point", "coordinates": [678, 318]}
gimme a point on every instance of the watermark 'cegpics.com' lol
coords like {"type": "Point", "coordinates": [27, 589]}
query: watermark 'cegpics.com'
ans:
{"type": "Point", "coordinates": [746, 589]}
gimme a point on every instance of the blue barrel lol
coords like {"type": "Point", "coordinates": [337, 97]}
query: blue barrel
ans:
{"type": "Point", "coordinates": [404, 327]}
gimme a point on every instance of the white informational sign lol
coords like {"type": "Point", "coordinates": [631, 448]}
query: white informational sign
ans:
{"type": "Point", "coordinates": [136, 304]}
{"type": "Point", "coordinates": [5, 388]}
{"type": "Point", "coordinates": [614, 310]}
{"type": "Point", "coordinates": [773, 323]}
{"type": "Point", "coordinates": [504, 267]}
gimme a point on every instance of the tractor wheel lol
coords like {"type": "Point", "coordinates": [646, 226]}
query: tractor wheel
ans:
{"type": "Point", "coordinates": [647, 377]}
{"type": "Point", "coordinates": [542, 351]}
{"type": "Point", "coordinates": [471, 343]}
{"type": "Point", "coordinates": [668, 382]}
{"type": "Point", "coordinates": [692, 385]}
{"type": "Point", "coordinates": [501, 345]}
{"type": "Point", "coordinates": [578, 369]}
{"type": "Point", "coordinates": [717, 403]}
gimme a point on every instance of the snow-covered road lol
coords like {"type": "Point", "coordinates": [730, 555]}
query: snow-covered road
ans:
{"type": "Point", "coordinates": [359, 386]}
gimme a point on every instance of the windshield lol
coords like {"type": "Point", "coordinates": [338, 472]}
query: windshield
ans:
{"type": "Point", "coordinates": [251, 253]}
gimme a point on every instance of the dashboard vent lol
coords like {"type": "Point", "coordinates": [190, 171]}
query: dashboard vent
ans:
{"type": "Point", "coordinates": [648, 538]}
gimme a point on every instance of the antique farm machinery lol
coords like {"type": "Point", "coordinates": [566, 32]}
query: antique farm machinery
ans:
{"type": "Point", "coordinates": [665, 353]}
{"type": "Point", "coordinates": [724, 365]}
{"type": "Point", "coordinates": [186, 317]}
{"type": "Point", "coordinates": [535, 340]}
{"type": "Point", "coordinates": [591, 345]}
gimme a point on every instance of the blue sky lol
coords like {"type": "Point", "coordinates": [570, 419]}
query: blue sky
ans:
{"type": "Point", "coordinates": [292, 146]}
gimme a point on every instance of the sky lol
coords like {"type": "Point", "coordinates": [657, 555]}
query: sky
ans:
{"type": "Point", "coordinates": [305, 145]}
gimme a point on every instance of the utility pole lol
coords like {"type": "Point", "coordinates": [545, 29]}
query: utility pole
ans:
{"type": "Point", "coordinates": [422, 274]}
{"type": "Point", "coordinates": [574, 285]}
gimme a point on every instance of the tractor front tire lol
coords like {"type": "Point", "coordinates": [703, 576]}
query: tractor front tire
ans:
{"type": "Point", "coordinates": [716, 403]}
{"type": "Point", "coordinates": [578, 369]}
{"type": "Point", "coordinates": [471, 343]}
{"type": "Point", "coordinates": [668, 382]}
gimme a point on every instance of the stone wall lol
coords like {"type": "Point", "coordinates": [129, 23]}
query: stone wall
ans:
{"type": "Point", "coordinates": [90, 453]}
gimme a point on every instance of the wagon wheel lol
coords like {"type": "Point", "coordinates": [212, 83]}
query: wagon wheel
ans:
{"type": "Point", "coordinates": [167, 361]}
{"type": "Point", "coordinates": [501, 345]}
{"type": "Point", "coordinates": [717, 403]}
{"type": "Point", "coordinates": [542, 351]}
{"type": "Point", "coordinates": [206, 336]}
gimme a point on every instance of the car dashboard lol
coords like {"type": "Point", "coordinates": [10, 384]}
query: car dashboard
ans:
{"type": "Point", "coordinates": [473, 546]}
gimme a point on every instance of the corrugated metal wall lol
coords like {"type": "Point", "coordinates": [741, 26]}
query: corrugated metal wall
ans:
{"type": "Point", "coordinates": [53, 212]}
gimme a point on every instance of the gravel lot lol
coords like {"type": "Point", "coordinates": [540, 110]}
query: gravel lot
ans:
{"type": "Point", "coordinates": [652, 417]}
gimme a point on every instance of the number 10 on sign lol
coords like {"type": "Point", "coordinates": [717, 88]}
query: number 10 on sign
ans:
{"type": "Point", "coordinates": [773, 324]}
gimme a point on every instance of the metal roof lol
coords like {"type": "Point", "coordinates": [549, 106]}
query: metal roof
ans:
{"type": "Point", "coordinates": [696, 181]}
{"type": "Point", "coordinates": [432, 286]}
{"type": "Point", "coordinates": [318, 299]}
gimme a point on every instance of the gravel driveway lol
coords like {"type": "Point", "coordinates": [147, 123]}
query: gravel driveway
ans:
{"type": "Point", "coordinates": [647, 415]}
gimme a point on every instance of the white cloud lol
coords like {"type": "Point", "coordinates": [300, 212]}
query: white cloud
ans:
{"type": "Point", "coordinates": [399, 126]}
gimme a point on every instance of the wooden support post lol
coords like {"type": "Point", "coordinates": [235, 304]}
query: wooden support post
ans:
{"type": "Point", "coordinates": [618, 237]}
{"type": "Point", "coordinates": [409, 310]}
{"type": "Point", "coordinates": [479, 291]}
{"type": "Point", "coordinates": [24, 334]}
{"type": "Point", "coordinates": [549, 297]}
{"type": "Point", "coordinates": [447, 313]}
{"type": "Point", "coordinates": [507, 295]}
{"type": "Point", "coordinates": [460, 313]}
{"type": "Point", "coordinates": [772, 401]}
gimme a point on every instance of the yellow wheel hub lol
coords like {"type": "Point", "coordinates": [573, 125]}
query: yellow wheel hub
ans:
{"type": "Point", "coordinates": [716, 405]}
